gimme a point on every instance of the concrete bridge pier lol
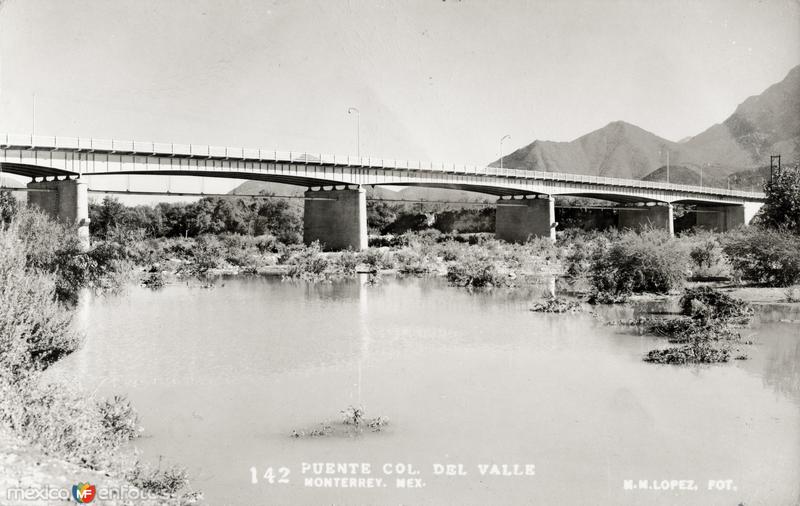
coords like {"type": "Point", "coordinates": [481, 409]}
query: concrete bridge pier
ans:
{"type": "Point", "coordinates": [720, 218]}
{"type": "Point", "coordinates": [66, 200]}
{"type": "Point", "coordinates": [336, 218]}
{"type": "Point", "coordinates": [519, 220]}
{"type": "Point", "coordinates": [639, 218]}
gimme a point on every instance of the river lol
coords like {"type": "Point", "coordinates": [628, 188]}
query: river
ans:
{"type": "Point", "coordinates": [222, 376]}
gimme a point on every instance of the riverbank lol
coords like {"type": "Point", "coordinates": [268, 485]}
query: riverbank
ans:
{"type": "Point", "coordinates": [26, 469]}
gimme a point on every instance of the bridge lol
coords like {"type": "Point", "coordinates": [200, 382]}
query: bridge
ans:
{"type": "Point", "coordinates": [335, 203]}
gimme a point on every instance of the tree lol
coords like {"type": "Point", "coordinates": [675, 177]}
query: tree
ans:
{"type": "Point", "coordinates": [277, 217]}
{"type": "Point", "coordinates": [782, 208]}
{"type": "Point", "coordinates": [106, 216]}
{"type": "Point", "coordinates": [381, 214]}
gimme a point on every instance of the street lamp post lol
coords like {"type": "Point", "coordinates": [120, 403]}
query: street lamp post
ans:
{"type": "Point", "coordinates": [507, 136]}
{"type": "Point", "coordinates": [353, 110]}
{"type": "Point", "coordinates": [660, 152]}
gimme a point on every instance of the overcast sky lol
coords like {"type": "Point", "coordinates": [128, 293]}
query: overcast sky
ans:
{"type": "Point", "coordinates": [433, 80]}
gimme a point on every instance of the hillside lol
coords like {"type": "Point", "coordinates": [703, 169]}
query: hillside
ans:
{"type": "Point", "coordinates": [762, 125]}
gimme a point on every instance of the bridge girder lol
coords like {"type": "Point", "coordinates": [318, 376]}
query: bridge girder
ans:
{"type": "Point", "coordinates": [71, 163]}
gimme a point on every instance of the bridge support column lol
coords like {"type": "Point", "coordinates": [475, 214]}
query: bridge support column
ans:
{"type": "Point", "coordinates": [336, 218]}
{"type": "Point", "coordinates": [519, 220]}
{"type": "Point", "coordinates": [66, 200]}
{"type": "Point", "coordinates": [638, 218]}
{"type": "Point", "coordinates": [720, 218]}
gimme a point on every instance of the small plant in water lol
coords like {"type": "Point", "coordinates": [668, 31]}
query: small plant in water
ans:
{"type": "Point", "coordinates": [557, 305]}
{"type": "Point", "coordinates": [353, 423]}
{"type": "Point", "coordinates": [792, 294]}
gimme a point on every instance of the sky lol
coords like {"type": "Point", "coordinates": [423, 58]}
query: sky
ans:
{"type": "Point", "coordinates": [433, 80]}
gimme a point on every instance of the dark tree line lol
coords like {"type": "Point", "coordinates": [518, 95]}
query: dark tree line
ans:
{"type": "Point", "coordinates": [209, 215]}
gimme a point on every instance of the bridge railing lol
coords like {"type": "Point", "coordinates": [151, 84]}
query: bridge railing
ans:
{"type": "Point", "coordinates": [31, 142]}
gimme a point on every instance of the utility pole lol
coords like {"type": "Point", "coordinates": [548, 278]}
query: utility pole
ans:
{"type": "Point", "coordinates": [33, 116]}
{"type": "Point", "coordinates": [506, 136]}
{"type": "Point", "coordinates": [353, 110]}
{"type": "Point", "coordinates": [774, 166]}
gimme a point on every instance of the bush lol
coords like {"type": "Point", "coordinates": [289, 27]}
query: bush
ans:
{"type": "Point", "coordinates": [696, 353]}
{"type": "Point", "coordinates": [477, 273]}
{"type": "Point", "coordinates": [768, 257]}
{"type": "Point", "coordinates": [376, 259]}
{"type": "Point", "coordinates": [648, 262]}
{"type": "Point", "coordinates": [346, 263]}
{"type": "Point", "coordinates": [208, 253]}
{"type": "Point", "coordinates": [706, 302]}
{"type": "Point", "coordinates": [165, 482]}
{"type": "Point", "coordinates": [9, 206]}
{"type": "Point", "coordinates": [35, 330]}
{"type": "Point", "coordinates": [557, 305]}
{"type": "Point", "coordinates": [63, 422]}
{"type": "Point", "coordinates": [707, 256]}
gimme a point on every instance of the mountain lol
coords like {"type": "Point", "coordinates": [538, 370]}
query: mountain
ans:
{"type": "Point", "coordinates": [762, 125]}
{"type": "Point", "coordinates": [619, 149]}
{"type": "Point", "coordinates": [395, 195]}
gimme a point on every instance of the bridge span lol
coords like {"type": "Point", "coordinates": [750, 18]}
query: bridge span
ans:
{"type": "Point", "coordinates": [335, 212]}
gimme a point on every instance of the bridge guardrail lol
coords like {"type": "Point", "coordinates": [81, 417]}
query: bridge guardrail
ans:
{"type": "Point", "coordinates": [29, 142]}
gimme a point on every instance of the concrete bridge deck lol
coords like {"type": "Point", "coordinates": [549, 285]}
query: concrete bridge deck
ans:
{"type": "Point", "coordinates": [42, 158]}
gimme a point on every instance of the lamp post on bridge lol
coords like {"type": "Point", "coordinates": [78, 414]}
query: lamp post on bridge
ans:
{"type": "Point", "coordinates": [353, 110]}
{"type": "Point", "coordinates": [667, 150]}
{"type": "Point", "coordinates": [506, 136]}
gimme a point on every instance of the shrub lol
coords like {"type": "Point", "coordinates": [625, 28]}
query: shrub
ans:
{"type": "Point", "coordinates": [208, 253]}
{"type": "Point", "coordinates": [706, 302]}
{"type": "Point", "coordinates": [346, 263]}
{"type": "Point", "coordinates": [35, 330]}
{"type": "Point", "coordinates": [9, 206]}
{"type": "Point", "coordinates": [695, 353]}
{"type": "Point", "coordinates": [376, 259]}
{"type": "Point", "coordinates": [310, 264]}
{"type": "Point", "coordinates": [477, 273]}
{"type": "Point", "coordinates": [415, 260]}
{"type": "Point", "coordinates": [557, 305]}
{"type": "Point", "coordinates": [59, 419]}
{"type": "Point", "coordinates": [167, 482]}
{"type": "Point", "coordinates": [648, 262]}
{"type": "Point", "coordinates": [706, 254]}
{"type": "Point", "coordinates": [768, 257]}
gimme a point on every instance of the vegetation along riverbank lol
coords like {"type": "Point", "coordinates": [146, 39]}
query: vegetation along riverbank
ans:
{"type": "Point", "coordinates": [53, 433]}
